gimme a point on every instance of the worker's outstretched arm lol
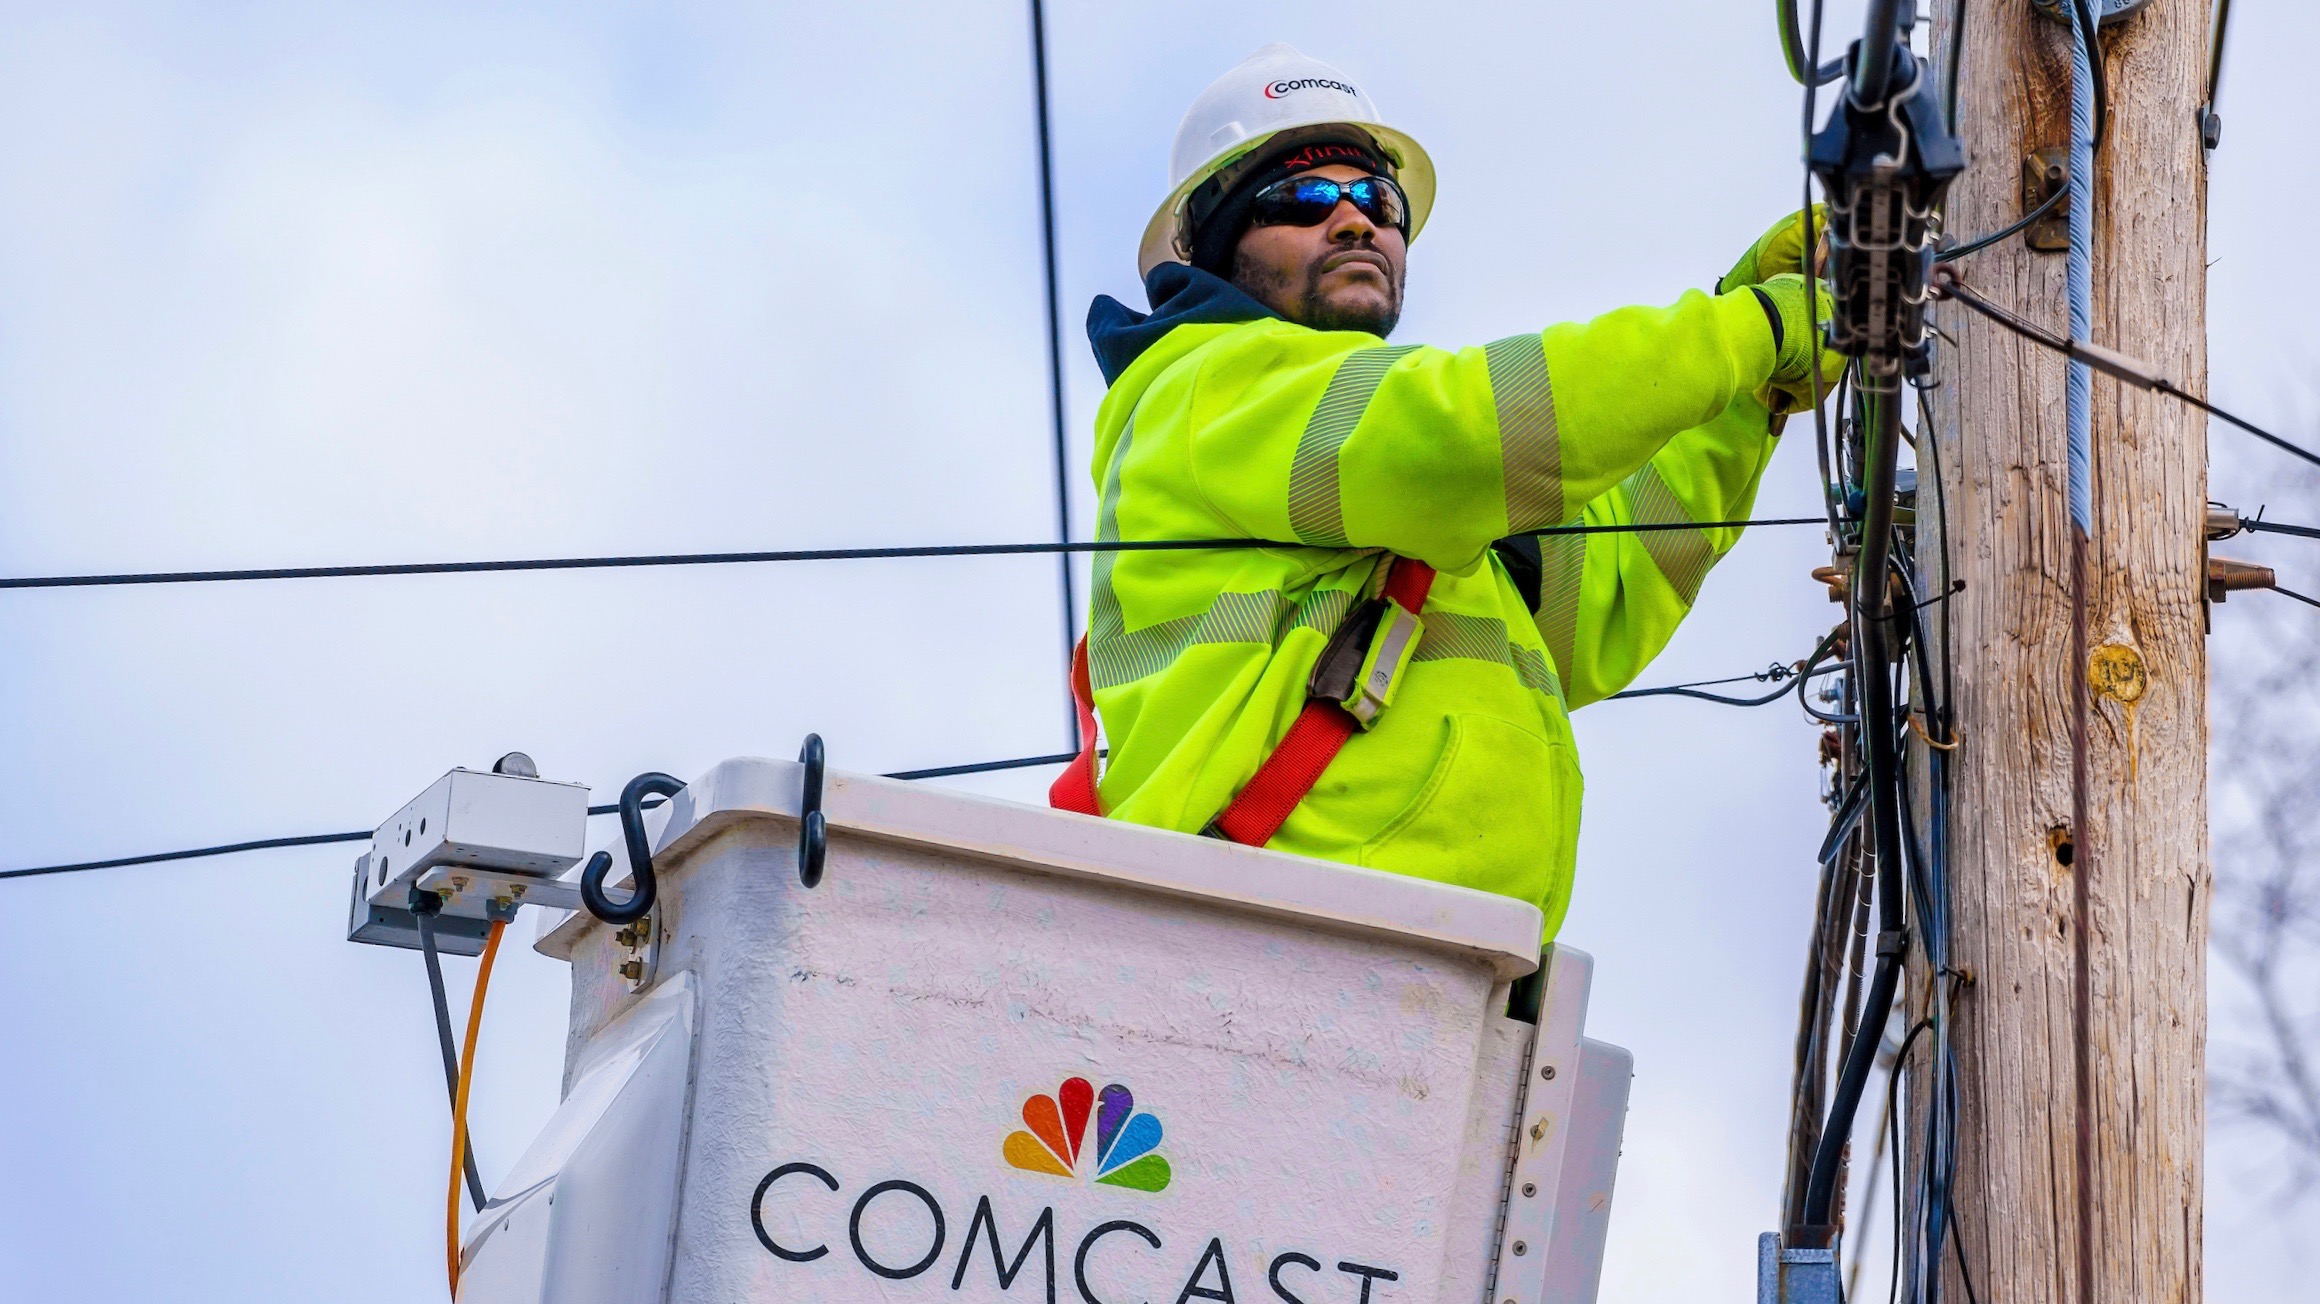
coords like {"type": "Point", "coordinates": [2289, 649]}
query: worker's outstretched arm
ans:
{"type": "Point", "coordinates": [1609, 602]}
{"type": "Point", "coordinates": [1334, 439]}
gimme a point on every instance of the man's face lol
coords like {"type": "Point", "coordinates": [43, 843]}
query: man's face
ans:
{"type": "Point", "coordinates": [1345, 274]}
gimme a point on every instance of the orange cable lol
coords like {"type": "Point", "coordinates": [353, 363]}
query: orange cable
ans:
{"type": "Point", "coordinates": [459, 1101]}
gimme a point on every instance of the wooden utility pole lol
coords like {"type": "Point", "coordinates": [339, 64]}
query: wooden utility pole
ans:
{"type": "Point", "coordinates": [2019, 854]}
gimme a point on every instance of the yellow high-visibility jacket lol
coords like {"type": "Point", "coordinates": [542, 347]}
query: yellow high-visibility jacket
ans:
{"type": "Point", "coordinates": [1224, 421]}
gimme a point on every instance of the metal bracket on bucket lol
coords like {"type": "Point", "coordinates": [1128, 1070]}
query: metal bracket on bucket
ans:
{"type": "Point", "coordinates": [1566, 1148]}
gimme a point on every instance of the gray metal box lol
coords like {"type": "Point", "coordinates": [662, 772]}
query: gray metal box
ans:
{"type": "Point", "coordinates": [385, 925]}
{"type": "Point", "coordinates": [482, 821]}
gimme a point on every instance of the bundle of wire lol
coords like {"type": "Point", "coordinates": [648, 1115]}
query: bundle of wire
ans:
{"type": "Point", "coordinates": [1833, 1029]}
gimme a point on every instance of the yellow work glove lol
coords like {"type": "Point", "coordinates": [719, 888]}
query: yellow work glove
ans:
{"type": "Point", "coordinates": [1796, 337]}
{"type": "Point", "coordinates": [1777, 252]}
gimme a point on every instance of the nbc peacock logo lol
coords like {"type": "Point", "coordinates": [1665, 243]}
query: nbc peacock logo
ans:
{"type": "Point", "coordinates": [1125, 1139]}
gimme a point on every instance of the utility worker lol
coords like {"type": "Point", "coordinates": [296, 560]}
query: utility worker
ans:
{"type": "Point", "coordinates": [1388, 684]}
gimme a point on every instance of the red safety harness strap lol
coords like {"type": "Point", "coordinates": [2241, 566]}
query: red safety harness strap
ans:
{"type": "Point", "coordinates": [1313, 741]}
{"type": "Point", "coordinates": [1288, 774]}
{"type": "Point", "coordinates": [1075, 788]}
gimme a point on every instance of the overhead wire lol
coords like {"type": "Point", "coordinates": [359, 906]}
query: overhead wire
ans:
{"type": "Point", "coordinates": [984, 767]}
{"type": "Point", "coordinates": [364, 835]}
{"type": "Point", "coordinates": [1054, 350]}
{"type": "Point", "coordinates": [2109, 362]}
{"type": "Point", "coordinates": [1795, 674]}
{"type": "Point", "coordinates": [1789, 678]}
{"type": "Point", "coordinates": [931, 772]}
{"type": "Point", "coordinates": [2261, 526]}
{"type": "Point", "coordinates": [786, 555]}
{"type": "Point", "coordinates": [195, 853]}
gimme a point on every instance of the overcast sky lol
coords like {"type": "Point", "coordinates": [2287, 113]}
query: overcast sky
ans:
{"type": "Point", "coordinates": [306, 283]}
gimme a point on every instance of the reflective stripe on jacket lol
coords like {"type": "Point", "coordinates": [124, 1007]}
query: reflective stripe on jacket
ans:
{"type": "Point", "coordinates": [1225, 421]}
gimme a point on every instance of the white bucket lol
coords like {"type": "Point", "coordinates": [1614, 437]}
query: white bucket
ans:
{"type": "Point", "coordinates": [1006, 1053]}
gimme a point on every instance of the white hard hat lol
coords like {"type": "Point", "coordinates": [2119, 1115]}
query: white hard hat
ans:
{"type": "Point", "coordinates": [1272, 91]}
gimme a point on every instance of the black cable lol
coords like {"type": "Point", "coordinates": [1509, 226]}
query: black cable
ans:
{"type": "Point", "coordinates": [1871, 610]}
{"type": "Point", "coordinates": [2110, 363]}
{"type": "Point", "coordinates": [608, 563]}
{"type": "Point", "coordinates": [1929, 893]}
{"type": "Point", "coordinates": [1979, 243]}
{"type": "Point", "coordinates": [1841, 824]}
{"type": "Point", "coordinates": [1949, 578]}
{"type": "Point", "coordinates": [2291, 593]}
{"type": "Point", "coordinates": [795, 554]}
{"type": "Point", "coordinates": [1822, 649]}
{"type": "Point", "coordinates": [1880, 42]}
{"type": "Point", "coordinates": [364, 835]}
{"type": "Point", "coordinates": [228, 849]}
{"type": "Point", "coordinates": [1965, 1274]}
{"type": "Point", "coordinates": [2094, 61]}
{"type": "Point", "coordinates": [1812, 289]}
{"type": "Point", "coordinates": [1054, 350]}
{"type": "Point", "coordinates": [2216, 33]}
{"type": "Point", "coordinates": [1957, 58]}
{"type": "Point", "coordinates": [1774, 696]}
{"type": "Point", "coordinates": [1893, 1131]}
{"type": "Point", "coordinates": [2275, 527]}
{"type": "Point", "coordinates": [1789, 678]}
{"type": "Point", "coordinates": [933, 772]}
{"type": "Point", "coordinates": [1775, 673]}
{"type": "Point", "coordinates": [2170, 389]}
{"type": "Point", "coordinates": [1804, 65]}
{"type": "Point", "coordinates": [426, 920]}
{"type": "Point", "coordinates": [1772, 674]}
{"type": "Point", "coordinates": [984, 767]}
{"type": "Point", "coordinates": [1935, 709]}
{"type": "Point", "coordinates": [1822, 716]}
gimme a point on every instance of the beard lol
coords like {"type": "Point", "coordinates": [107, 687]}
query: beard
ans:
{"type": "Point", "coordinates": [1311, 306]}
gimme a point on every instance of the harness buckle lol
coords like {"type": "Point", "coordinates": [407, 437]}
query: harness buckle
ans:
{"type": "Point", "coordinates": [1390, 650]}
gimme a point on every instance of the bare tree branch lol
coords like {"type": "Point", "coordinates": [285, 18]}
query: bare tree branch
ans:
{"type": "Point", "coordinates": [2265, 768]}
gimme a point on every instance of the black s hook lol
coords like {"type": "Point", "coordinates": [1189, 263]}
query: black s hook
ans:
{"type": "Point", "coordinates": [813, 830]}
{"type": "Point", "coordinates": [641, 897]}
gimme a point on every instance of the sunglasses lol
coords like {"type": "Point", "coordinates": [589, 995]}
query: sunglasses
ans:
{"type": "Point", "coordinates": [1308, 201]}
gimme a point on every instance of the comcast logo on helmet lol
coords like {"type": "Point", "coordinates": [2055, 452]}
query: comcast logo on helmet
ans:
{"type": "Point", "coordinates": [1286, 86]}
{"type": "Point", "coordinates": [1125, 1139]}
